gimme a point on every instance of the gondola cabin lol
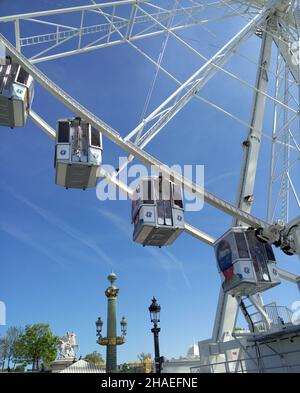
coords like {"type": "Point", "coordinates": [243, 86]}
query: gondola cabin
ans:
{"type": "Point", "coordinates": [246, 265]}
{"type": "Point", "coordinates": [157, 212]}
{"type": "Point", "coordinates": [78, 154]}
{"type": "Point", "coordinates": [16, 94]}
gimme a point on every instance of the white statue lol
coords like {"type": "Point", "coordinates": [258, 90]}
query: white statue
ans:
{"type": "Point", "coordinates": [66, 346]}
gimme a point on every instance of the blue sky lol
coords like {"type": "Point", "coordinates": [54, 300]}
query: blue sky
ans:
{"type": "Point", "coordinates": [58, 246]}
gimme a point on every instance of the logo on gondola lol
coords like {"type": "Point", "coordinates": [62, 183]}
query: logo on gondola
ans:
{"type": "Point", "coordinates": [274, 272]}
{"type": "Point", "coordinates": [179, 218]}
{"type": "Point", "coordinates": [63, 152]}
{"type": "Point", "coordinates": [149, 214]}
{"type": "Point", "coordinates": [246, 270]}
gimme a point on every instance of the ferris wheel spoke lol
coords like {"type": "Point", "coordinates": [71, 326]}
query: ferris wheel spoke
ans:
{"type": "Point", "coordinates": [283, 196]}
{"type": "Point", "coordinates": [286, 168]}
{"type": "Point", "coordinates": [111, 178]}
{"type": "Point", "coordinates": [294, 140]}
{"type": "Point", "coordinates": [145, 19]}
{"type": "Point", "coordinates": [202, 99]}
{"type": "Point", "coordinates": [285, 52]}
{"type": "Point", "coordinates": [113, 13]}
{"type": "Point", "coordinates": [116, 138]}
{"type": "Point", "coordinates": [196, 84]}
{"type": "Point", "coordinates": [197, 96]}
{"type": "Point", "coordinates": [175, 96]}
{"type": "Point", "coordinates": [294, 190]}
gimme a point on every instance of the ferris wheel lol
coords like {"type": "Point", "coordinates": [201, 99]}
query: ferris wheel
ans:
{"type": "Point", "coordinates": [274, 116]}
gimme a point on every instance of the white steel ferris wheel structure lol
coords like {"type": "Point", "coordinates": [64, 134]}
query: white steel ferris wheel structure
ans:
{"type": "Point", "coordinates": [276, 23]}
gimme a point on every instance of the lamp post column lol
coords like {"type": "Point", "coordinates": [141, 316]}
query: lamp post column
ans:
{"type": "Point", "coordinates": [154, 310]}
{"type": "Point", "coordinates": [111, 351]}
{"type": "Point", "coordinates": [155, 332]}
{"type": "Point", "coordinates": [111, 340]}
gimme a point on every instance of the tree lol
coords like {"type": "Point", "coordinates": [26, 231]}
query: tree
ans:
{"type": "Point", "coordinates": [143, 357]}
{"type": "Point", "coordinates": [13, 334]}
{"type": "Point", "coordinates": [8, 346]}
{"type": "Point", "coordinates": [3, 352]}
{"type": "Point", "coordinates": [124, 368]}
{"type": "Point", "coordinates": [20, 368]}
{"type": "Point", "coordinates": [95, 358]}
{"type": "Point", "coordinates": [36, 346]}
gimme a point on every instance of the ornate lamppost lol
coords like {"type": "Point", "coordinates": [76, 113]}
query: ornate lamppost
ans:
{"type": "Point", "coordinates": [154, 310]}
{"type": "Point", "coordinates": [111, 340]}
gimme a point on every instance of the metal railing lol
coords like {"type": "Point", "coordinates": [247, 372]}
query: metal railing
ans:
{"type": "Point", "coordinates": [241, 365]}
{"type": "Point", "coordinates": [279, 315]}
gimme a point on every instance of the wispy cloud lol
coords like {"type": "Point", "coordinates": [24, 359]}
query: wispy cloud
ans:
{"type": "Point", "coordinates": [117, 221]}
{"type": "Point", "coordinates": [61, 225]}
{"type": "Point", "coordinates": [179, 265]}
{"type": "Point", "coordinates": [19, 235]}
{"type": "Point", "coordinates": [234, 173]}
{"type": "Point", "coordinates": [167, 261]}
{"type": "Point", "coordinates": [223, 176]}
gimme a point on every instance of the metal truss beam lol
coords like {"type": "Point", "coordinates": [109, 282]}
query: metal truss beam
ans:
{"type": "Point", "coordinates": [245, 193]}
{"type": "Point", "coordinates": [106, 38]}
{"type": "Point", "coordinates": [284, 50]}
{"type": "Point", "coordinates": [128, 146]}
{"type": "Point", "coordinates": [228, 306]}
{"type": "Point", "coordinates": [64, 33]}
{"type": "Point", "coordinates": [105, 27]}
{"type": "Point", "coordinates": [282, 193]}
{"type": "Point", "coordinates": [95, 7]}
{"type": "Point", "coordinates": [90, 48]}
{"type": "Point", "coordinates": [49, 131]}
{"type": "Point", "coordinates": [89, 7]}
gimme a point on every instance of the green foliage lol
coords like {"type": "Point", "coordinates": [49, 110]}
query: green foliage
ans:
{"type": "Point", "coordinates": [143, 356]}
{"type": "Point", "coordinates": [125, 368]}
{"type": "Point", "coordinates": [20, 368]}
{"type": "Point", "coordinates": [3, 352]}
{"type": "Point", "coordinates": [95, 358]}
{"type": "Point", "coordinates": [8, 347]}
{"type": "Point", "coordinates": [132, 368]}
{"type": "Point", "coordinates": [36, 346]}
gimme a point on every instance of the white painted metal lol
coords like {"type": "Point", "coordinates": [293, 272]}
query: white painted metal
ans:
{"type": "Point", "coordinates": [227, 306]}
{"type": "Point", "coordinates": [114, 136]}
{"type": "Point", "coordinates": [226, 317]}
{"type": "Point", "coordinates": [17, 34]}
{"type": "Point", "coordinates": [251, 146]}
{"type": "Point", "coordinates": [288, 276]}
{"type": "Point", "coordinates": [284, 49]}
{"type": "Point", "coordinates": [44, 126]}
{"type": "Point", "coordinates": [176, 101]}
{"type": "Point", "coordinates": [113, 23]}
{"type": "Point", "coordinates": [284, 166]}
{"type": "Point", "coordinates": [67, 10]}
{"type": "Point", "coordinates": [111, 178]}
{"type": "Point", "coordinates": [261, 310]}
